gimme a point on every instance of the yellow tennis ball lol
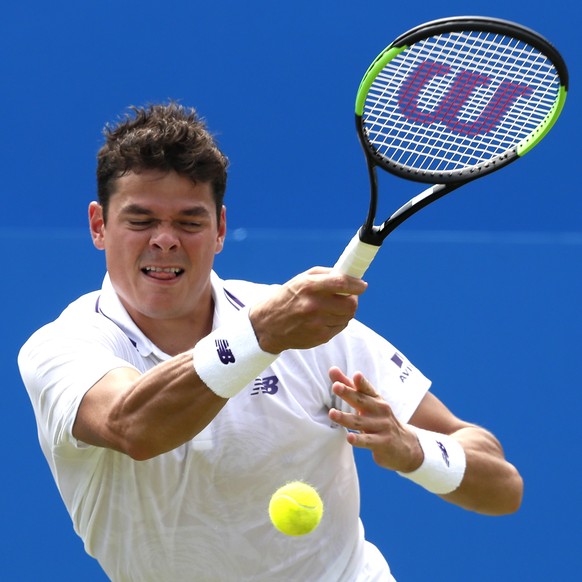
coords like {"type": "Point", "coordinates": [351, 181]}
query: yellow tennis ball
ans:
{"type": "Point", "coordinates": [296, 509]}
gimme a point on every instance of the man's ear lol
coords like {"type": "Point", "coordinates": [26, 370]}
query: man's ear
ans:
{"type": "Point", "coordinates": [221, 231]}
{"type": "Point", "coordinates": [97, 225]}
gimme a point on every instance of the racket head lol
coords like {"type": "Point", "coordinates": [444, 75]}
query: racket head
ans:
{"type": "Point", "coordinates": [456, 98]}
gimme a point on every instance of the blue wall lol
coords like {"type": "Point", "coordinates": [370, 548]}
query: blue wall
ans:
{"type": "Point", "coordinates": [481, 290]}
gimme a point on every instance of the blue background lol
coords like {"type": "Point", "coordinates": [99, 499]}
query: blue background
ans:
{"type": "Point", "coordinates": [481, 290]}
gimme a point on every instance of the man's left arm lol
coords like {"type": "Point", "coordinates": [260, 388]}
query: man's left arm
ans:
{"type": "Point", "coordinates": [487, 482]}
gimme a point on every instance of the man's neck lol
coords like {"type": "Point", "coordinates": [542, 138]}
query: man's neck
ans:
{"type": "Point", "coordinates": [174, 336]}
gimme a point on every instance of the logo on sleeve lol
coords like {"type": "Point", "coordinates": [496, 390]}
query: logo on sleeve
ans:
{"type": "Point", "coordinates": [405, 370]}
{"type": "Point", "coordinates": [224, 352]}
{"type": "Point", "coordinates": [397, 359]}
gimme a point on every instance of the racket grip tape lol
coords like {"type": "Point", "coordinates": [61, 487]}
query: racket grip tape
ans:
{"type": "Point", "coordinates": [356, 258]}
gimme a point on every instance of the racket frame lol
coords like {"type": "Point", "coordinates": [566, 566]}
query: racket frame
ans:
{"type": "Point", "coordinates": [374, 235]}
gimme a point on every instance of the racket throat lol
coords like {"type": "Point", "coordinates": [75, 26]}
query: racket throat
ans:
{"type": "Point", "coordinates": [373, 235]}
{"type": "Point", "coordinates": [369, 232]}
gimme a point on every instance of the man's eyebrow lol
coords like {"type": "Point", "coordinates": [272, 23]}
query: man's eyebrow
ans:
{"type": "Point", "coordinates": [190, 211]}
{"type": "Point", "coordinates": [195, 211]}
{"type": "Point", "coordinates": [135, 209]}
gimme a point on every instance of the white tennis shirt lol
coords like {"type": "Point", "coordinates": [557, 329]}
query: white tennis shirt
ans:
{"type": "Point", "coordinates": [199, 512]}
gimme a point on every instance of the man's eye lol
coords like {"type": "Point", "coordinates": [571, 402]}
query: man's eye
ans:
{"type": "Point", "coordinates": [139, 223]}
{"type": "Point", "coordinates": [190, 225]}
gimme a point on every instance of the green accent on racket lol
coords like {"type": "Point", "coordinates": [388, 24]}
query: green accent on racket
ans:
{"type": "Point", "coordinates": [447, 102]}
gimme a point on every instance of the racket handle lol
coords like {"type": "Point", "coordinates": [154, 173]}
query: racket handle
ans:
{"type": "Point", "coordinates": [356, 258]}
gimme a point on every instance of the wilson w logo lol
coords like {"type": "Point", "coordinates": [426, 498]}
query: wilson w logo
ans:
{"type": "Point", "coordinates": [447, 110]}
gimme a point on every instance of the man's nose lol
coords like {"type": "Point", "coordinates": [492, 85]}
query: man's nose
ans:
{"type": "Point", "coordinates": [165, 238]}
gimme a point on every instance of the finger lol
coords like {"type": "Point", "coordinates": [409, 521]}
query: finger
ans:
{"type": "Point", "coordinates": [342, 305]}
{"type": "Point", "coordinates": [364, 403]}
{"type": "Point", "coordinates": [362, 440]}
{"type": "Point", "coordinates": [318, 271]}
{"type": "Point", "coordinates": [336, 375]}
{"type": "Point", "coordinates": [365, 439]}
{"type": "Point", "coordinates": [357, 422]}
{"type": "Point", "coordinates": [337, 283]}
{"type": "Point", "coordinates": [364, 386]}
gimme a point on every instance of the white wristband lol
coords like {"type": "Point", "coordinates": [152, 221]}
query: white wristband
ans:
{"type": "Point", "coordinates": [230, 357]}
{"type": "Point", "coordinates": [444, 462]}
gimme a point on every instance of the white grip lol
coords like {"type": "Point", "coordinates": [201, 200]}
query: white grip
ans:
{"type": "Point", "coordinates": [356, 258]}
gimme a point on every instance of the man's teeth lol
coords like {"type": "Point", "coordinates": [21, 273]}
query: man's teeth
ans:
{"type": "Point", "coordinates": [164, 269]}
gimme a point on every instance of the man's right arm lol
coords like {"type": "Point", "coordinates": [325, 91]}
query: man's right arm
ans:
{"type": "Point", "coordinates": [144, 415]}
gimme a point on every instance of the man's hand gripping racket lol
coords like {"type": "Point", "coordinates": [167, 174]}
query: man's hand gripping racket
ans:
{"type": "Point", "coordinates": [448, 102]}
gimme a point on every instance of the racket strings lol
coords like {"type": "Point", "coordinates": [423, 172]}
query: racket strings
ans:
{"type": "Point", "coordinates": [458, 100]}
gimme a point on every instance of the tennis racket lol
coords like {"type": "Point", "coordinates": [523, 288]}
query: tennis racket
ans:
{"type": "Point", "coordinates": [448, 102]}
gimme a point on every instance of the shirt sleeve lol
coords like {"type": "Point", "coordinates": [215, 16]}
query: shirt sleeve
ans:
{"type": "Point", "coordinates": [58, 367]}
{"type": "Point", "coordinates": [391, 373]}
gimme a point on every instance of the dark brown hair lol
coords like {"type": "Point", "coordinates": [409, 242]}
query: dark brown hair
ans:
{"type": "Point", "coordinates": [160, 137]}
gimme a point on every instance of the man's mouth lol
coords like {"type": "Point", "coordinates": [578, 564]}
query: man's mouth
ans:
{"type": "Point", "coordinates": [162, 273]}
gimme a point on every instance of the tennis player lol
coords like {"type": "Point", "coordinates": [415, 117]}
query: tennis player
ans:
{"type": "Point", "coordinates": [171, 403]}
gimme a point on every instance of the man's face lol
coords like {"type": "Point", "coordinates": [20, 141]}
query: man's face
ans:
{"type": "Point", "coordinates": [160, 240]}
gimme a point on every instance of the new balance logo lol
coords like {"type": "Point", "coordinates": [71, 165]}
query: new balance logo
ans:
{"type": "Point", "coordinates": [445, 453]}
{"type": "Point", "coordinates": [224, 352]}
{"type": "Point", "coordinates": [267, 385]}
